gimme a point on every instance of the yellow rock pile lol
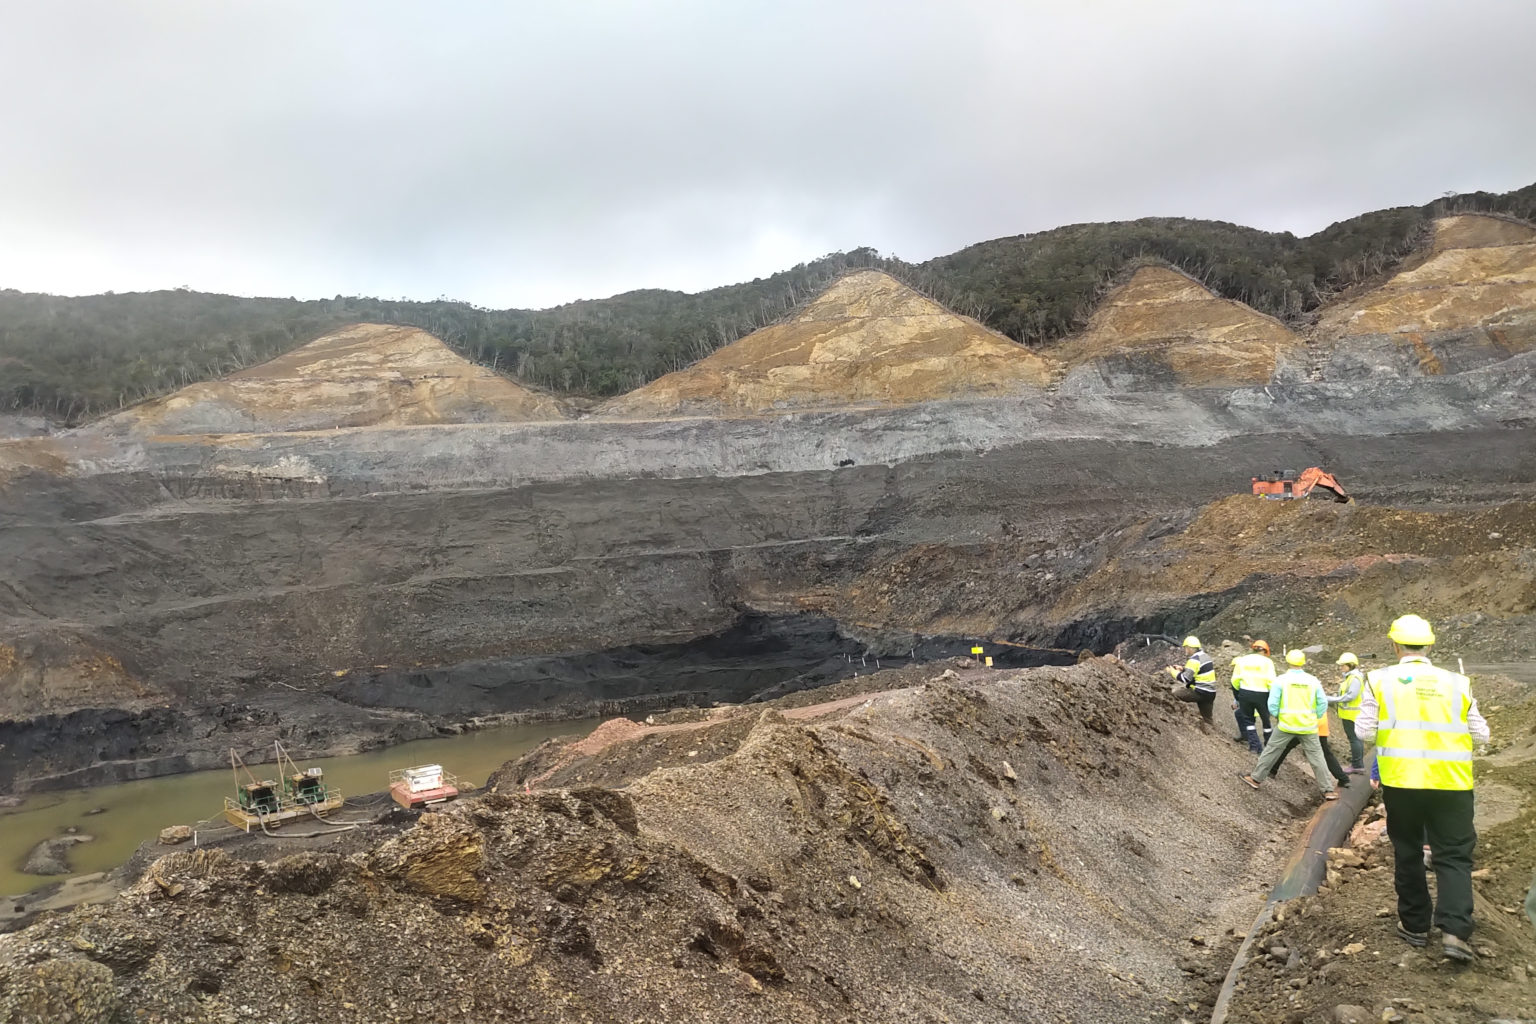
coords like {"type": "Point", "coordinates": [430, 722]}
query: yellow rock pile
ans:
{"type": "Point", "coordinates": [868, 339]}
{"type": "Point", "coordinates": [1162, 325]}
{"type": "Point", "coordinates": [370, 375]}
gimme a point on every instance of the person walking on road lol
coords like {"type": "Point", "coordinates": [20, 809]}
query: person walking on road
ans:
{"type": "Point", "coordinates": [1297, 701]}
{"type": "Point", "coordinates": [1199, 678]}
{"type": "Point", "coordinates": [1351, 693]}
{"type": "Point", "coordinates": [1425, 723]}
{"type": "Point", "coordinates": [1252, 676]}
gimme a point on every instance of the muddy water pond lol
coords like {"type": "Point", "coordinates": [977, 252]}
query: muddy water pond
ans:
{"type": "Point", "coordinates": [128, 813]}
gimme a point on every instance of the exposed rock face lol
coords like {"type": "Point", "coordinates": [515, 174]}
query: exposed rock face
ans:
{"type": "Point", "coordinates": [368, 375]}
{"type": "Point", "coordinates": [61, 674]}
{"type": "Point", "coordinates": [1470, 302]}
{"type": "Point", "coordinates": [1475, 230]}
{"type": "Point", "coordinates": [1163, 329]}
{"type": "Point", "coordinates": [867, 339]}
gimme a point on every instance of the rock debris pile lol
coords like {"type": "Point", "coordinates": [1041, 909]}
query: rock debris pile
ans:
{"type": "Point", "coordinates": [983, 846]}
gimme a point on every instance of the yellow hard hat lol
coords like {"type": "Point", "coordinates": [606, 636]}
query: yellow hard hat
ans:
{"type": "Point", "coordinates": [1411, 631]}
{"type": "Point", "coordinates": [1296, 657]}
{"type": "Point", "coordinates": [1192, 641]}
{"type": "Point", "coordinates": [1347, 659]}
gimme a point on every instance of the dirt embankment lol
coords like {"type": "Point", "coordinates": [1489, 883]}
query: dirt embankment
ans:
{"type": "Point", "coordinates": [992, 847]}
{"type": "Point", "coordinates": [365, 376]}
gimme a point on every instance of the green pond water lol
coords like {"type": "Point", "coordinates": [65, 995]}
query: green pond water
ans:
{"type": "Point", "coordinates": [136, 811]}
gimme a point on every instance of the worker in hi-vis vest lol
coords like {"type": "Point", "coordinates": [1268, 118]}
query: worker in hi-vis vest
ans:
{"type": "Point", "coordinates": [1197, 679]}
{"type": "Point", "coordinates": [1425, 723]}
{"type": "Point", "coordinates": [1297, 701]}
{"type": "Point", "coordinates": [1347, 704]}
{"type": "Point", "coordinates": [1252, 676]}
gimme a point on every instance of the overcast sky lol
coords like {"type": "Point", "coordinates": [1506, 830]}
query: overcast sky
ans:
{"type": "Point", "coordinates": [531, 153]}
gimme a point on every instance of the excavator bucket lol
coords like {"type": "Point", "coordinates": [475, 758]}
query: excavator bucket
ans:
{"type": "Point", "coordinates": [1337, 491]}
{"type": "Point", "coordinates": [1316, 478]}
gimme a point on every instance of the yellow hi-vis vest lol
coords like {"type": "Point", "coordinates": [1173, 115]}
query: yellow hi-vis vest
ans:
{"type": "Point", "coordinates": [1349, 710]}
{"type": "Point", "coordinates": [1298, 703]}
{"type": "Point", "coordinates": [1422, 739]}
{"type": "Point", "coordinates": [1253, 672]}
{"type": "Point", "coordinates": [1203, 669]}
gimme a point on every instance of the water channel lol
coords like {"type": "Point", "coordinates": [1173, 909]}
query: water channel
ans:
{"type": "Point", "coordinates": [133, 812]}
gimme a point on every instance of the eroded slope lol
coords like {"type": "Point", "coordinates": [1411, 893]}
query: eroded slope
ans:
{"type": "Point", "coordinates": [867, 339]}
{"type": "Point", "coordinates": [368, 375]}
{"type": "Point", "coordinates": [1163, 329]}
{"type": "Point", "coordinates": [1470, 302]}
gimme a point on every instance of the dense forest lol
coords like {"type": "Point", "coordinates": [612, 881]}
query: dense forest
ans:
{"type": "Point", "coordinates": [74, 358]}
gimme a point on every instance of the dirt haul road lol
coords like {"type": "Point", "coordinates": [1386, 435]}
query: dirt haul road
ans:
{"type": "Point", "coordinates": [978, 846]}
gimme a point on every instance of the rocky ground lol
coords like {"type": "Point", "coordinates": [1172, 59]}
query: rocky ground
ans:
{"type": "Point", "coordinates": [1298, 573]}
{"type": "Point", "coordinates": [942, 851]}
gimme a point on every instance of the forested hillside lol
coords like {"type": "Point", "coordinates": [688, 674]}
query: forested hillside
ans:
{"type": "Point", "coordinates": [75, 358]}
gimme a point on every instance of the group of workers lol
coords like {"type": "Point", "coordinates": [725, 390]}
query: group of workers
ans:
{"type": "Point", "coordinates": [1424, 722]}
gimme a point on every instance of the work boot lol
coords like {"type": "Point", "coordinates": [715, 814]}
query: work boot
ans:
{"type": "Point", "coordinates": [1417, 939]}
{"type": "Point", "coordinates": [1248, 779]}
{"type": "Point", "coordinates": [1459, 949]}
{"type": "Point", "coordinates": [1331, 795]}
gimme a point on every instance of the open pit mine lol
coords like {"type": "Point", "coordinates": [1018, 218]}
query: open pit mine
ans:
{"type": "Point", "coordinates": [768, 572]}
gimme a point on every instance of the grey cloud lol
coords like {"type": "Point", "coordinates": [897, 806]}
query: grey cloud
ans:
{"type": "Point", "coordinates": [528, 154]}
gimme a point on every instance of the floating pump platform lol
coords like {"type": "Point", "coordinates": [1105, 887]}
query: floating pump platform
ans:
{"type": "Point", "coordinates": [268, 803]}
{"type": "Point", "coordinates": [422, 785]}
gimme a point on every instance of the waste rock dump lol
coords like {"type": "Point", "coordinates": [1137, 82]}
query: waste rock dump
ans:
{"type": "Point", "coordinates": [970, 845]}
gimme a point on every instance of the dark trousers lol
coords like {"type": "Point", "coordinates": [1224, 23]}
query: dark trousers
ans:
{"type": "Point", "coordinates": [1356, 748]}
{"type": "Point", "coordinates": [1250, 703]}
{"type": "Point", "coordinates": [1332, 762]}
{"type": "Point", "coordinates": [1444, 816]}
{"type": "Point", "coordinates": [1204, 701]}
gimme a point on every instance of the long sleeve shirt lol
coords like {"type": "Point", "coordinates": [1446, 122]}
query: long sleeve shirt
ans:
{"type": "Point", "coordinates": [1369, 722]}
{"type": "Point", "coordinates": [1355, 681]}
{"type": "Point", "coordinates": [1319, 695]}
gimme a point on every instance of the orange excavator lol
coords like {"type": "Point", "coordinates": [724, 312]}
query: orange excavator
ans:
{"type": "Point", "coordinates": [1284, 484]}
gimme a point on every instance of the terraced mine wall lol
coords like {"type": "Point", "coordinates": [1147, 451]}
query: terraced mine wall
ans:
{"type": "Point", "coordinates": [193, 571]}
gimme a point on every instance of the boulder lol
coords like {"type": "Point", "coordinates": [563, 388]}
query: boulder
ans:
{"type": "Point", "coordinates": [175, 834]}
{"type": "Point", "coordinates": [51, 856]}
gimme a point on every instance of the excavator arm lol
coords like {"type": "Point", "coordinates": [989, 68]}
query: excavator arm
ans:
{"type": "Point", "coordinates": [1285, 485]}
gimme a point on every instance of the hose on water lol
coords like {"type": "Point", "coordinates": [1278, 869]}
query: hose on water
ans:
{"type": "Point", "coordinates": [1304, 872]}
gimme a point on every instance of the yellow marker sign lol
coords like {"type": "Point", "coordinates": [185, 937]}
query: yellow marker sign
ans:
{"type": "Point", "coordinates": [989, 661]}
{"type": "Point", "coordinates": [975, 650]}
